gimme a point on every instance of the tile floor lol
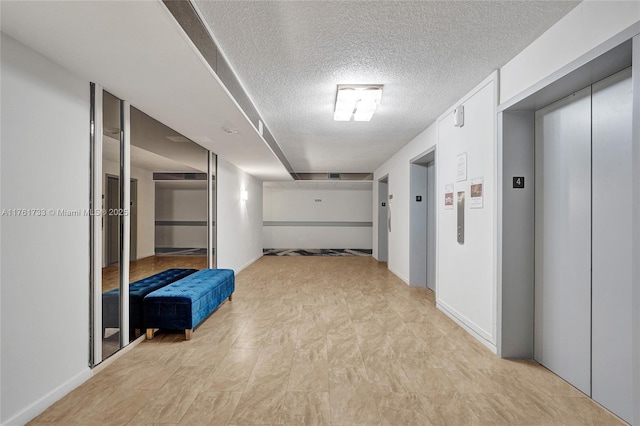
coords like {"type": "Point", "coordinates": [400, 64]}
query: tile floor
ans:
{"type": "Point", "coordinates": [323, 340]}
{"type": "Point", "coordinates": [139, 269]}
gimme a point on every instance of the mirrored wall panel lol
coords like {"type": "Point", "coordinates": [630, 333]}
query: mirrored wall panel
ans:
{"type": "Point", "coordinates": [111, 223]}
{"type": "Point", "coordinates": [213, 236]}
{"type": "Point", "coordinates": [163, 219]}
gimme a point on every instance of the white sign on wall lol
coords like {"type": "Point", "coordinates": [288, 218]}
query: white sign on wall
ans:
{"type": "Point", "coordinates": [461, 167]}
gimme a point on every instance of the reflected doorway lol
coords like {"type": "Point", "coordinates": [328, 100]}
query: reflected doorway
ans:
{"type": "Point", "coordinates": [112, 231]}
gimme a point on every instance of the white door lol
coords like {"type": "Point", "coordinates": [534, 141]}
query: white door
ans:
{"type": "Point", "coordinates": [562, 339]}
{"type": "Point", "coordinates": [611, 246]}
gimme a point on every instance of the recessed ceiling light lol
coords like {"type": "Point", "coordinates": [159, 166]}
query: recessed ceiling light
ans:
{"type": "Point", "coordinates": [357, 100]}
{"type": "Point", "coordinates": [113, 131]}
{"type": "Point", "coordinates": [177, 139]}
{"type": "Point", "coordinates": [201, 140]}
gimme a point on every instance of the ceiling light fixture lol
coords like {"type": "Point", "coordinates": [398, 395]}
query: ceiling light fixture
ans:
{"type": "Point", "coordinates": [357, 100]}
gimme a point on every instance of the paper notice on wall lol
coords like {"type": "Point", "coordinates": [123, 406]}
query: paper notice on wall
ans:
{"type": "Point", "coordinates": [477, 193]}
{"type": "Point", "coordinates": [461, 167]}
{"type": "Point", "coordinates": [448, 197]}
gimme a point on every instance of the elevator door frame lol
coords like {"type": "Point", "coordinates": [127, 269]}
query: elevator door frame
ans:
{"type": "Point", "coordinates": [515, 207]}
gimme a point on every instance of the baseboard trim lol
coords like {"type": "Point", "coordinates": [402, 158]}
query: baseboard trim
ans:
{"type": "Point", "coordinates": [113, 358]}
{"type": "Point", "coordinates": [38, 407]}
{"type": "Point", "coordinates": [479, 336]}
{"type": "Point", "coordinates": [398, 274]}
{"type": "Point", "coordinates": [249, 263]}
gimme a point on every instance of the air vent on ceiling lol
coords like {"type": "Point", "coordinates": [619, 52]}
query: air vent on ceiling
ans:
{"type": "Point", "coordinates": [335, 176]}
{"type": "Point", "coordinates": [179, 176]}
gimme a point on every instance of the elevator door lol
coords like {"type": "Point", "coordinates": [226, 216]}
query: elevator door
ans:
{"type": "Point", "coordinates": [562, 338]}
{"type": "Point", "coordinates": [611, 247]}
{"type": "Point", "coordinates": [583, 241]}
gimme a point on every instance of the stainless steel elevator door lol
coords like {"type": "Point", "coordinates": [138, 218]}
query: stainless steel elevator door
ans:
{"type": "Point", "coordinates": [562, 338]}
{"type": "Point", "coordinates": [611, 244]}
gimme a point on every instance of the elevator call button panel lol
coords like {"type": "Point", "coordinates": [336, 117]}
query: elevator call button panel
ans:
{"type": "Point", "coordinates": [460, 227]}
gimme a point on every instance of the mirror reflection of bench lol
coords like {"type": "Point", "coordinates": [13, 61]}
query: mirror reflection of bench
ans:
{"type": "Point", "coordinates": [137, 291]}
{"type": "Point", "coordinates": [184, 304]}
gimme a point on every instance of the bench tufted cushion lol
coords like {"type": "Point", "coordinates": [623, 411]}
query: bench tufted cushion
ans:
{"type": "Point", "coordinates": [184, 304]}
{"type": "Point", "coordinates": [137, 291]}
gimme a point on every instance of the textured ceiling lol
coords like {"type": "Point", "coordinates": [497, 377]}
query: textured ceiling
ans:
{"type": "Point", "coordinates": [290, 55]}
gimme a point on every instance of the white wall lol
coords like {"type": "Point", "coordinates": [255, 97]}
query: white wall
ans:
{"type": "Point", "coordinates": [300, 205]}
{"type": "Point", "coordinates": [585, 27]}
{"type": "Point", "coordinates": [146, 208]}
{"type": "Point", "coordinates": [45, 260]}
{"type": "Point", "coordinates": [466, 283]}
{"type": "Point", "coordinates": [177, 204]}
{"type": "Point", "coordinates": [239, 223]}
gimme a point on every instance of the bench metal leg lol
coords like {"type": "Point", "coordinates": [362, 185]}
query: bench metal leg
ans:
{"type": "Point", "coordinates": [187, 333]}
{"type": "Point", "coordinates": [137, 332]}
{"type": "Point", "coordinates": [230, 297]}
{"type": "Point", "coordinates": [150, 333]}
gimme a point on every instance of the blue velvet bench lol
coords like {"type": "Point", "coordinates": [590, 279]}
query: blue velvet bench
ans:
{"type": "Point", "coordinates": [137, 291]}
{"type": "Point", "coordinates": [184, 304]}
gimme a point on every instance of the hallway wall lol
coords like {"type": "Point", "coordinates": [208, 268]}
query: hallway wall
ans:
{"type": "Point", "coordinates": [342, 206]}
{"type": "Point", "coordinates": [239, 222]}
{"type": "Point", "coordinates": [466, 275]}
{"type": "Point", "coordinates": [45, 259]}
{"type": "Point", "coordinates": [181, 205]}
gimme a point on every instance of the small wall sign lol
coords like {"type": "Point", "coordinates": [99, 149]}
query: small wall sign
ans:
{"type": "Point", "coordinates": [418, 198]}
{"type": "Point", "coordinates": [448, 196]}
{"type": "Point", "coordinates": [477, 193]}
{"type": "Point", "coordinates": [518, 181]}
{"type": "Point", "coordinates": [461, 167]}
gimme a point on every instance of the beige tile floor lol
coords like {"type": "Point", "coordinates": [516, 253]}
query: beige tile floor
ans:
{"type": "Point", "coordinates": [318, 340]}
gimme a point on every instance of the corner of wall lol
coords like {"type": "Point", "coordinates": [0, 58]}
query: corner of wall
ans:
{"type": "Point", "coordinates": [239, 223]}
